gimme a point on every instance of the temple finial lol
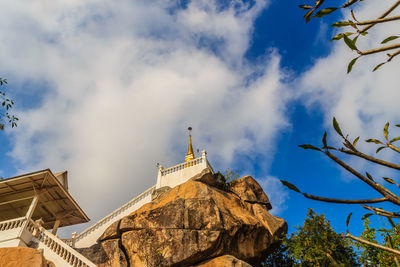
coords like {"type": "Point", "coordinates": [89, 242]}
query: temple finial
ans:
{"type": "Point", "coordinates": [190, 154]}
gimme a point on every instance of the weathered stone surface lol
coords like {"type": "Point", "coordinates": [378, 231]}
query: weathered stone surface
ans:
{"type": "Point", "coordinates": [224, 261]}
{"type": "Point", "coordinates": [106, 254]}
{"type": "Point", "coordinates": [111, 232]}
{"type": "Point", "coordinates": [159, 192]}
{"type": "Point", "coordinates": [21, 257]}
{"type": "Point", "coordinates": [249, 190]}
{"type": "Point", "coordinates": [166, 247]}
{"type": "Point", "coordinates": [194, 222]}
{"type": "Point", "coordinates": [208, 178]}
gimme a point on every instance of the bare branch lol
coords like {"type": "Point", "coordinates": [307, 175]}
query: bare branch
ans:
{"type": "Point", "coordinates": [391, 250]}
{"type": "Point", "coordinates": [381, 49]}
{"type": "Point", "coordinates": [379, 188]}
{"type": "Point", "coordinates": [376, 21]}
{"type": "Point", "coordinates": [354, 172]}
{"type": "Point", "coordinates": [387, 12]}
{"type": "Point", "coordinates": [369, 158]}
{"type": "Point", "coordinates": [391, 56]}
{"type": "Point", "coordinates": [346, 201]}
{"type": "Point", "coordinates": [381, 212]}
{"type": "Point", "coordinates": [393, 147]}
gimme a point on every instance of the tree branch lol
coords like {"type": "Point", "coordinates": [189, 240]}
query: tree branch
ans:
{"type": "Point", "coordinates": [332, 260]}
{"type": "Point", "coordinates": [393, 147]}
{"type": "Point", "coordinates": [355, 173]}
{"type": "Point", "coordinates": [346, 201]}
{"type": "Point", "coordinates": [381, 49]}
{"type": "Point", "coordinates": [379, 188]}
{"type": "Point", "coordinates": [381, 212]}
{"type": "Point", "coordinates": [391, 56]}
{"type": "Point", "coordinates": [369, 158]}
{"type": "Point", "coordinates": [376, 21]}
{"type": "Point", "coordinates": [394, 251]}
{"type": "Point", "coordinates": [387, 12]}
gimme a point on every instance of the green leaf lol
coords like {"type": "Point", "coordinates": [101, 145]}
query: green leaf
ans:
{"type": "Point", "coordinates": [379, 149]}
{"type": "Point", "coordinates": [386, 131]}
{"type": "Point", "coordinates": [324, 140]}
{"type": "Point", "coordinates": [318, 3]}
{"type": "Point", "coordinates": [366, 216]}
{"type": "Point", "coordinates": [354, 41]}
{"type": "Point", "coordinates": [390, 38]}
{"type": "Point", "coordinates": [307, 146]}
{"type": "Point", "coordinates": [325, 11]}
{"type": "Point", "coordinates": [290, 186]}
{"type": "Point", "coordinates": [349, 43]}
{"type": "Point", "coordinates": [336, 126]}
{"type": "Point", "coordinates": [342, 23]}
{"type": "Point", "coordinates": [349, 3]}
{"type": "Point", "coordinates": [340, 35]}
{"type": "Point", "coordinates": [369, 176]}
{"type": "Point", "coordinates": [308, 15]}
{"type": "Point", "coordinates": [355, 141]}
{"type": "Point", "coordinates": [378, 66]}
{"type": "Point", "coordinates": [348, 221]}
{"type": "Point", "coordinates": [305, 7]}
{"type": "Point", "coordinates": [395, 139]}
{"type": "Point", "coordinates": [351, 64]}
{"type": "Point", "coordinates": [390, 181]}
{"type": "Point", "coordinates": [374, 141]}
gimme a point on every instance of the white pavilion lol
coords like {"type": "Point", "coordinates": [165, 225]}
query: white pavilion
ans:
{"type": "Point", "coordinates": [33, 206]}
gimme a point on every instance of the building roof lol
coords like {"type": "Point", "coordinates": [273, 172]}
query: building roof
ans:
{"type": "Point", "coordinates": [55, 202]}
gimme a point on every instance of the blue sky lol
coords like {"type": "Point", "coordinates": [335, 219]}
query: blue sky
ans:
{"type": "Point", "coordinates": [106, 91]}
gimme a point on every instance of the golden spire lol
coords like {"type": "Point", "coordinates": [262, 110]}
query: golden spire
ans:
{"type": "Point", "coordinates": [190, 154]}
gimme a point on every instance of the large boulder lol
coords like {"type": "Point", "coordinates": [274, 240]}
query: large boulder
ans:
{"type": "Point", "coordinates": [249, 190]}
{"type": "Point", "coordinates": [224, 261]}
{"type": "Point", "coordinates": [21, 257]}
{"type": "Point", "coordinates": [191, 223]}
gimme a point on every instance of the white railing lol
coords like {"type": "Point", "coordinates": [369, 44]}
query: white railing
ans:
{"type": "Point", "coordinates": [182, 166]}
{"type": "Point", "coordinates": [67, 255]}
{"type": "Point", "coordinates": [111, 216]}
{"type": "Point", "coordinates": [11, 224]}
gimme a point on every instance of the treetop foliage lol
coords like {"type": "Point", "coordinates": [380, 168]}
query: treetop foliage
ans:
{"type": "Point", "coordinates": [6, 105]}
{"type": "Point", "coordinates": [356, 28]}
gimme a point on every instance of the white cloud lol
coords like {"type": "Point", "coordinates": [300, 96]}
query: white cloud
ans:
{"type": "Point", "coordinates": [276, 192]}
{"type": "Point", "coordinates": [362, 101]}
{"type": "Point", "coordinates": [124, 80]}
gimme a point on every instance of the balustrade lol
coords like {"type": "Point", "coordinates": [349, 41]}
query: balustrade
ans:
{"type": "Point", "coordinates": [114, 214]}
{"type": "Point", "coordinates": [11, 224]}
{"type": "Point", "coordinates": [65, 252]}
{"type": "Point", "coordinates": [182, 166]}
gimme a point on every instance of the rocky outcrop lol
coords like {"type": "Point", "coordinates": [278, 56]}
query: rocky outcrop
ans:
{"type": "Point", "coordinates": [106, 254]}
{"type": "Point", "coordinates": [250, 191]}
{"type": "Point", "coordinates": [224, 261]}
{"type": "Point", "coordinates": [190, 224]}
{"type": "Point", "coordinates": [22, 257]}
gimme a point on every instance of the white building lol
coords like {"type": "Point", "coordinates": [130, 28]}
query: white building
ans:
{"type": "Point", "coordinates": [33, 203]}
{"type": "Point", "coordinates": [170, 177]}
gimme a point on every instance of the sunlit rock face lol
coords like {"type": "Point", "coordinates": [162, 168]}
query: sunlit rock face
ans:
{"type": "Point", "coordinates": [22, 257]}
{"type": "Point", "coordinates": [192, 224]}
